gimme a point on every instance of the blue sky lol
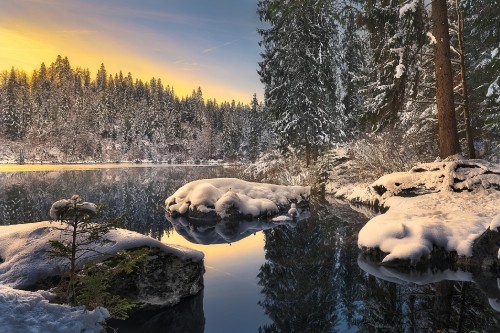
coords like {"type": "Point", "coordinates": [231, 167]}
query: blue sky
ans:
{"type": "Point", "coordinates": [186, 43]}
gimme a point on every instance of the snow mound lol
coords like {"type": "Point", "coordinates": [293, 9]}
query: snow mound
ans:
{"type": "Point", "coordinates": [221, 198]}
{"type": "Point", "coordinates": [24, 257]}
{"type": "Point", "coordinates": [448, 204]}
{"type": "Point", "coordinates": [65, 207]}
{"type": "Point", "coordinates": [24, 309]}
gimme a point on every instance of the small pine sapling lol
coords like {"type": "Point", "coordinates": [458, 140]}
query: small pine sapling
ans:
{"type": "Point", "coordinates": [80, 235]}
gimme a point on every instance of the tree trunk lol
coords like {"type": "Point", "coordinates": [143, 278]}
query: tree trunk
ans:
{"type": "Point", "coordinates": [468, 127]}
{"type": "Point", "coordinates": [448, 138]}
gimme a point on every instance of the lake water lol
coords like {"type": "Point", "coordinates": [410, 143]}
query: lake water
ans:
{"type": "Point", "coordinates": [261, 277]}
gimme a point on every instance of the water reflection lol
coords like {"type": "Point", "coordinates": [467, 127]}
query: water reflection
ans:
{"type": "Point", "coordinates": [136, 192]}
{"type": "Point", "coordinates": [311, 282]}
{"type": "Point", "coordinates": [302, 277]}
{"type": "Point", "coordinates": [308, 280]}
{"type": "Point", "coordinates": [225, 231]}
{"type": "Point", "coordinates": [185, 317]}
{"type": "Point", "coordinates": [431, 300]}
{"type": "Point", "coordinates": [216, 232]}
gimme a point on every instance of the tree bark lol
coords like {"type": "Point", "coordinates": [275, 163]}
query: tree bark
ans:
{"type": "Point", "coordinates": [468, 127]}
{"type": "Point", "coordinates": [447, 124]}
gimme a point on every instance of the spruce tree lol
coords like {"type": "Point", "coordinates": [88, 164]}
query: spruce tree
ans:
{"type": "Point", "coordinates": [297, 69]}
{"type": "Point", "coordinates": [482, 56]}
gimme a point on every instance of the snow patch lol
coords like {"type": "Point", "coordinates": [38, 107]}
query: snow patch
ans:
{"type": "Point", "coordinates": [409, 7]}
{"type": "Point", "coordinates": [25, 311]}
{"type": "Point", "coordinates": [400, 70]}
{"type": "Point", "coordinates": [432, 39]}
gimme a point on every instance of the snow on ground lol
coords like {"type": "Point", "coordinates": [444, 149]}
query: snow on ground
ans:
{"type": "Point", "coordinates": [447, 204]}
{"type": "Point", "coordinates": [25, 311]}
{"type": "Point", "coordinates": [24, 251]}
{"type": "Point", "coordinates": [220, 194]}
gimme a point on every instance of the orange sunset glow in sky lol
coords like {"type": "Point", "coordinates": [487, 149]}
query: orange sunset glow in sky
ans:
{"type": "Point", "coordinates": [186, 43]}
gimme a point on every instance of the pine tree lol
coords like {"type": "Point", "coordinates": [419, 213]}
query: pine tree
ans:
{"type": "Point", "coordinates": [297, 69]}
{"type": "Point", "coordinates": [396, 34]}
{"type": "Point", "coordinates": [351, 74]}
{"type": "Point", "coordinates": [11, 117]}
{"type": "Point", "coordinates": [482, 56]}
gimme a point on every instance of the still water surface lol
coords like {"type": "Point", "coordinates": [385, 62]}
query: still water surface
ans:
{"type": "Point", "coordinates": [300, 277]}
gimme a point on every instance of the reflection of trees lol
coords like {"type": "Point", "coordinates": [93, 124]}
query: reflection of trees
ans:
{"type": "Point", "coordinates": [136, 192]}
{"type": "Point", "coordinates": [443, 306]}
{"type": "Point", "coordinates": [299, 277]}
{"type": "Point", "coordinates": [16, 204]}
{"type": "Point", "coordinates": [383, 308]}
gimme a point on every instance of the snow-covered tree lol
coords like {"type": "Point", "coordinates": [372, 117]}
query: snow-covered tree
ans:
{"type": "Point", "coordinates": [395, 36]}
{"type": "Point", "coordinates": [352, 68]}
{"type": "Point", "coordinates": [297, 69]}
{"type": "Point", "coordinates": [482, 55]}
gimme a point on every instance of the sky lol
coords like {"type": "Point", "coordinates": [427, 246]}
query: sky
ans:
{"type": "Point", "coordinates": [186, 43]}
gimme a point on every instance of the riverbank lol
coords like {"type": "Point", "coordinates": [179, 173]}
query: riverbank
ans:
{"type": "Point", "coordinates": [446, 209]}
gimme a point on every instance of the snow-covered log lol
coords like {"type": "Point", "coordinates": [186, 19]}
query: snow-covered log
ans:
{"type": "Point", "coordinates": [231, 198]}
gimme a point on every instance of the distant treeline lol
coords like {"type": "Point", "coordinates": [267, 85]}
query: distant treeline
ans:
{"type": "Point", "coordinates": [60, 113]}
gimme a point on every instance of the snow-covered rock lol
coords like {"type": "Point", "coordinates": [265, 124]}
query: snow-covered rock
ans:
{"type": "Point", "coordinates": [25, 311]}
{"type": "Point", "coordinates": [447, 204]}
{"type": "Point", "coordinates": [221, 198]}
{"type": "Point", "coordinates": [24, 260]}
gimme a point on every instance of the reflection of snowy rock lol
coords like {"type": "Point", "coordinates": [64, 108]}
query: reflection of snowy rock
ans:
{"type": "Point", "coordinates": [231, 198]}
{"type": "Point", "coordinates": [172, 271]}
{"type": "Point", "coordinates": [485, 281]}
{"type": "Point", "coordinates": [494, 304]}
{"type": "Point", "coordinates": [447, 205]}
{"type": "Point", "coordinates": [187, 316]}
{"type": "Point", "coordinates": [222, 232]}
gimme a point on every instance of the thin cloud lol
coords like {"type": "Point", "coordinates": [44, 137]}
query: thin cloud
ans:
{"type": "Point", "coordinates": [211, 49]}
{"type": "Point", "coordinates": [186, 66]}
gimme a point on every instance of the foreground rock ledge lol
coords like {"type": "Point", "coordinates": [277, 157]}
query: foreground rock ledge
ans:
{"type": "Point", "coordinates": [442, 211]}
{"type": "Point", "coordinates": [232, 198]}
{"type": "Point", "coordinates": [171, 272]}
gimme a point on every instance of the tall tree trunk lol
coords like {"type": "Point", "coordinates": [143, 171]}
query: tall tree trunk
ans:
{"type": "Point", "coordinates": [448, 138]}
{"type": "Point", "coordinates": [468, 127]}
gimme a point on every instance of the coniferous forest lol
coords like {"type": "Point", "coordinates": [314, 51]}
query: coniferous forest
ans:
{"type": "Point", "coordinates": [334, 72]}
{"type": "Point", "coordinates": [61, 113]}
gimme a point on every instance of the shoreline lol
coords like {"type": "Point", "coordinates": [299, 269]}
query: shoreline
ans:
{"type": "Point", "coordinates": [82, 166]}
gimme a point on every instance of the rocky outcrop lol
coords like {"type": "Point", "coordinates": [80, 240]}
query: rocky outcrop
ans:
{"type": "Point", "coordinates": [161, 276]}
{"type": "Point", "coordinates": [426, 178]}
{"type": "Point", "coordinates": [164, 279]}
